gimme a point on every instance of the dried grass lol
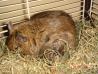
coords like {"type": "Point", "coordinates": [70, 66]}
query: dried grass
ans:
{"type": "Point", "coordinates": [83, 60]}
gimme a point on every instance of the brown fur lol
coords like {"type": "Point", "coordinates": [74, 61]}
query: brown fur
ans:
{"type": "Point", "coordinates": [45, 30]}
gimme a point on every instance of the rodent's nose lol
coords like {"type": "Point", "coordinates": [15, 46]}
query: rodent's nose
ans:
{"type": "Point", "coordinates": [16, 47]}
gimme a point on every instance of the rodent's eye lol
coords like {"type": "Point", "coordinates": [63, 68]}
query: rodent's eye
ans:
{"type": "Point", "coordinates": [21, 38]}
{"type": "Point", "coordinates": [47, 38]}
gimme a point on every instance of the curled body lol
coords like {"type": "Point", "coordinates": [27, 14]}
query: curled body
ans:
{"type": "Point", "coordinates": [45, 30]}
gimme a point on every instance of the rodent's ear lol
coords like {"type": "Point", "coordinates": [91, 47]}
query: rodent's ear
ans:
{"type": "Point", "coordinates": [10, 27]}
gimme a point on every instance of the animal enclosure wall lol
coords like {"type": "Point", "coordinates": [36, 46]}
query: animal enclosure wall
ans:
{"type": "Point", "coordinates": [16, 10]}
{"type": "Point", "coordinates": [94, 9]}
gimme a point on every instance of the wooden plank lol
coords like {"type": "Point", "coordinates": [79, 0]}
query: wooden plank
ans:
{"type": "Point", "coordinates": [60, 5]}
{"type": "Point", "coordinates": [14, 19]}
{"type": "Point", "coordinates": [42, 2]}
{"type": "Point", "coordinates": [9, 2]}
{"type": "Point", "coordinates": [12, 14]}
{"type": "Point", "coordinates": [11, 8]}
{"type": "Point", "coordinates": [19, 13]}
{"type": "Point", "coordinates": [21, 5]}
